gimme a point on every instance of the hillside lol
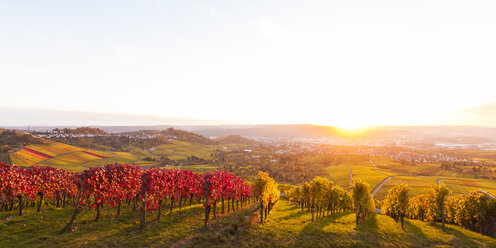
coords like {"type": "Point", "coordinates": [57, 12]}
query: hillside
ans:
{"type": "Point", "coordinates": [287, 227]}
{"type": "Point", "coordinates": [69, 157]}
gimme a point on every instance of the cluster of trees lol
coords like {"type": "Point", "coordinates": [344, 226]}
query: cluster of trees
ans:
{"type": "Point", "coordinates": [10, 139]}
{"type": "Point", "coordinates": [322, 197]}
{"type": "Point", "coordinates": [220, 186]}
{"type": "Point", "coordinates": [475, 211]}
{"type": "Point", "coordinates": [115, 184]}
{"type": "Point", "coordinates": [22, 185]}
{"type": "Point", "coordinates": [266, 192]}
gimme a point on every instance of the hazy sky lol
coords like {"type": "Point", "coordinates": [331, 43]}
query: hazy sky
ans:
{"type": "Point", "coordinates": [342, 63]}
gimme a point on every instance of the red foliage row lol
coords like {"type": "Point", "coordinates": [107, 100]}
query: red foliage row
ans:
{"type": "Point", "coordinates": [32, 181]}
{"type": "Point", "coordinates": [223, 185]}
{"type": "Point", "coordinates": [114, 184]}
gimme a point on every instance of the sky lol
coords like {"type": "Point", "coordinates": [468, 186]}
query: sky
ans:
{"type": "Point", "coordinates": [347, 63]}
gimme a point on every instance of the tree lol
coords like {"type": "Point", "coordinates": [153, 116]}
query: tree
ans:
{"type": "Point", "coordinates": [266, 192]}
{"type": "Point", "coordinates": [363, 200]}
{"type": "Point", "coordinates": [319, 187]}
{"type": "Point", "coordinates": [396, 202]}
{"type": "Point", "coordinates": [437, 197]}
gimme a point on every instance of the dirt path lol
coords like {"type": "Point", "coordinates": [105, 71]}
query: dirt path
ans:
{"type": "Point", "coordinates": [378, 187]}
{"type": "Point", "coordinates": [487, 193]}
{"type": "Point", "coordinates": [373, 163]}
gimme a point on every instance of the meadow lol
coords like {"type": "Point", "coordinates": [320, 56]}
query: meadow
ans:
{"type": "Point", "coordinates": [287, 226]}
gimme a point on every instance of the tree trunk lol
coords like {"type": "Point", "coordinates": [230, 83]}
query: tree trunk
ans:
{"type": "Point", "coordinates": [207, 213]}
{"type": "Point", "coordinates": [261, 212]}
{"type": "Point", "coordinates": [20, 204]}
{"type": "Point", "coordinates": [159, 210]}
{"type": "Point", "coordinates": [118, 209]}
{"type": "Point", "coordinates": [222, 205]}
{"type": "Point", "coordinates": [313, 212]}
{"type": "Point", "coordinates": [266, 209]}
{"type": "Point", "coordinates": [64, 200]}
{"type": "Point", "coordinates": [39, 203]}
{"type": "Point", "coordinates": [356, 208]}
{"type": "Point", "coordinates": [97, 212]}
{"type": "Point", "coordinates": [172, 204]}
{"type": "Point", "coordinates": [442, 216]}
{"type": "Point", "coordinates": [76, 211]}
{"type": "Point", "coordinates": [206, 189]}
{"type": "Point", "coordinates": [143, 213]}
{"type": "Point", "coordinates": [480, 217]}
{"type": "Point", "coordinates": [215, 208]}
{"type": "Point", "coordinates": [402, 218]}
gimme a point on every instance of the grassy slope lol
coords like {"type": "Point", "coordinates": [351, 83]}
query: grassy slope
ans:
{"type": "Point", "coordinates": [287, 227]}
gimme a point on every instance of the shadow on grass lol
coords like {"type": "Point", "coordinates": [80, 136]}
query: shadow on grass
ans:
{"type": "Point", "coordinates": [463, 240]}
{"type": "Point", "coordinates": [418, 236]}
{"type": "Point", "coordinates": [314, 235]}
{"type": "Point", "coordinates": [293, 215]}
{"type": "Point", "coordinates": [172, 227]}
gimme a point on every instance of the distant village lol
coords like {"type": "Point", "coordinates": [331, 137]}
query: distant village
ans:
{"type": "Point", "coordinates": [57, 134]}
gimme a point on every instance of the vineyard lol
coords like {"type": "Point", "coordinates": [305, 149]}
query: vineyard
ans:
{"type": "Point", "coordinates": [117, 184]}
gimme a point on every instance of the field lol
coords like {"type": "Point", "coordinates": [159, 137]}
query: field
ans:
{"type": "Point", "coordinates": [369, 174]}
{"type": "Point", "coordinates": [77, 159]}
{"type": "Point", "coordinates": [181, 150]}
{"type": "Point", "coordinates": [287, 227]}
{"type": "Point", "coordinates": [340, 175]}
{"type": "Point", "coordinates": [363, 167]}
{"type": "Point", "coordinates": [418, 185]}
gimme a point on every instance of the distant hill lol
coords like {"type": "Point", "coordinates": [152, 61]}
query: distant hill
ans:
{"type": "Point", "coordinates": [269, 131]}
{"type": "Point", "coordinates": [307, 131]}
{"type": "Point", "coordinates": [176, 134]}
{"type": "Point", "coordinates": [81, 130]}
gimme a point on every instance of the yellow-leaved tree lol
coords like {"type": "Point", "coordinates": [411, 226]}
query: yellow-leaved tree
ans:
{"type": "Point", "coordinates": [397, 202]}
{"type": "Point", "coordinates": [266, 192]}
{"type": "Point", "coordinates": [319, 187]}
{"type": "Point", "coordinates": [363, 200]}
{"type": "Point", "coordinates": [437, 198]}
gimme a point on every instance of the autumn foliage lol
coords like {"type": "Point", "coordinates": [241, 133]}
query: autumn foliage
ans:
{"type": "Point", "coordinates": [115, 184]}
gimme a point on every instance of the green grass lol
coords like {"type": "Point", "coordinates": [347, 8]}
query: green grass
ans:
{"type": "Point", "coordinates": [340, 175]}
{"type": "Point", "coordinates": [287, 227]}
{"type": "Point", "coordinates": [40, 229]}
